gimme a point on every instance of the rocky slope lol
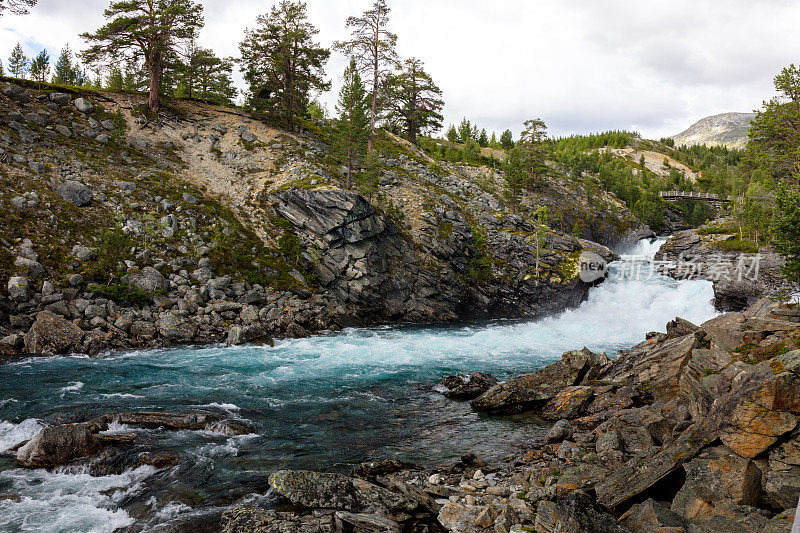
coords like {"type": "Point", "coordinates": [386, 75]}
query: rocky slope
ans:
{"type": "Point", "coordinates": [201, 224]}
{"type": "Point", "coordinates": [727, 129]}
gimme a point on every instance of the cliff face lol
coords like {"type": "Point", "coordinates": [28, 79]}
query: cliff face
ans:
{"type": "Point", "coordinates": [203, 224]}
{"type": "Point", "coordinates": [727, 129]}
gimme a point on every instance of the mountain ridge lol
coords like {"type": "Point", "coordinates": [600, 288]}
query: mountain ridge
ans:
{"type": "Point", "coordinates": [724, 129]}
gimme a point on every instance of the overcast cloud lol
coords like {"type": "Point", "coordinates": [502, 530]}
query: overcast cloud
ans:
{"type": "Point", "coordinates": [581, 65]}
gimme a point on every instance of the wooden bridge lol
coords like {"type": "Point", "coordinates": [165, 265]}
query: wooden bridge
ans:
{"type": "Point", "coordinates": [671, 196]}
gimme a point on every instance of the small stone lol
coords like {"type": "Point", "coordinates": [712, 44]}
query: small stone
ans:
{"type": "Point", "coordinates": [103, 138]}
{"type": "Point", "coordinates": [63, 130]}
{"type": "Point", "coordinates": [560, 431]}
{"type": "Point", "coordinates": [190, 199]}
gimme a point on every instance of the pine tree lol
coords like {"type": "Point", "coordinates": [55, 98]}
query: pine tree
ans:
{"type": "Point", "coordinates": [2, 72]}
{"type": "Point", "coordinates": [526, 162]}
{"type": "Point", "coordinates": [17, 62]}
{"type": "Point", "coordinates": [507, 140]}
{"type": "Point", "coordinates": [282, 63]}
{"type": "Point", "coordinates": [147, 30]}
{"type": "Point", "coordinates": [214, 81]}
{"type": "Point", "coordinates": [40, 67]}
{"type": "Point", "coordinates": [483, 139]}
{"type": "Point", "coordinates": [412, 100]}
{"type": "Point", "coordinates": [452, 134]}
{"type": "Point", "coordinates": [351, 129]}
{"type": "Point", "coordinates": [465, 130]}
{"type": "Point", "coordinates": [17, 7]}
{"type": "Point", "coordinates": [114, 81]}
{"type": "Point", "coordinates": [66, 73]}
{"type": "Point", "coordinates": [373, 47]}
{"type": "Point", "coordinates": [493, 141]}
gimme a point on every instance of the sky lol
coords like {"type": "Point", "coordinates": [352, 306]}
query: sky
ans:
{"type": "Point", "coordinates": [582, 66]}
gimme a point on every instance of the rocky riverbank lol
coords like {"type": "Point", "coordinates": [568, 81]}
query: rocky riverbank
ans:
{"type": "Point", "coordinates": [695, 430]}
{"type": "Point", "coordinates": [740, 278]}
{"type": "Point", "coordinates": [202, 225]}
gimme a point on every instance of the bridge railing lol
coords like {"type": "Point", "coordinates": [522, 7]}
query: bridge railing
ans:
{"type": "Point", "coordinates": [695, 195]}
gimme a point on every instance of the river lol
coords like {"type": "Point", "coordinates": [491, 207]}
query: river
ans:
{"type": "Point", "coordinates": [324, 403]}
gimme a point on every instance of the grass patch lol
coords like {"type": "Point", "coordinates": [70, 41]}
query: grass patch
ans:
{"type": "Point", "coordinates": [736, 245]}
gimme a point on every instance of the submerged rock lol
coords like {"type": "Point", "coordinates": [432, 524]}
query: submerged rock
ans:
{"type": "Point", "coordinates": [466, 387]}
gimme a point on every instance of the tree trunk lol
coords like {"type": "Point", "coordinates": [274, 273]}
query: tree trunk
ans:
{"type": "Point", "coordinates": [154, 70]}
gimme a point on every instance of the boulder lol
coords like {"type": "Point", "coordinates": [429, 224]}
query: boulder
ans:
{"type": "Point", "coordinates": [650, 466]}
{"type": "Point", "coordinates": [652, 517]}
{"type": "Point", "coordinates": [176, 328]}
{"type": "Point", "coordinates": [194, 421]}
{"type": "Point", "coordinates": [29, 268]}
{"type": "Point", "coordinates": [534, 390]}
{"type": "Point", "coordinates": [75, 193]}
{"type": "Point", "coordinates": [723, 477]}
{"type": "Point", "coordinates": [148, 280]}
{"type": "Point", "coordinates": [569, 403]}
{"type": "Point", "coordinates": [339, 492]}
{"type": "Point", "coordinates": [58, 445]}
{"type": "Point", "coordinates": [83, 105]}
{"type": "Point", "coordinates": [466, 387]}
{"type": "Point", "coordinates": [575, 513]}
{"type": "Point", "coordinates": [680, 327]}
{"type": "Point", "coordinates": [782, 478]}
{"type": "Point", "coordinates": [59, 98]}
{"type": "Point", "coordinates": [52, 334]}
{"type": "Point", "coordinates": [458, 518]}
{"type": "Point", "coordinates": [654, 366]}
{"type": "Point", "coordinates": [561, 430]}
{"type": "Point", "coordinates": [160, 460]}
{"type": "Point", "coordinates": [762, 407]}
{"type": "Point", "coordinates": [19, 289]}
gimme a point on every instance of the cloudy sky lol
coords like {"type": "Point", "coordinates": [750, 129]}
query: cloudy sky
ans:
{"type": "Point", "coordinates": [581, 65]}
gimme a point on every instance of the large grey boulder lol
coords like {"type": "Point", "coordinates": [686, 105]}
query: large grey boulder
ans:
{"type": "Point", "coordinates": [83, 105]}
{"type": "Point", "coordinates": [176, 328]}
{"type": "Point", "coordinates": [75, 193]}
{"type": "Point", "coordinates": [58, 445]}
{"type": "Point", "coordinates": [30, 268]}
{"type": "Point", "coordinates": [19, 289]}
{"type": "Point", "coordinates": [52, 334]}
{"type": "Point", "coordinates": [148, 279]}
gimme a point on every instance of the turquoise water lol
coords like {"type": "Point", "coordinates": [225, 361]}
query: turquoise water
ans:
{"type": "Point", "coordinates": [326, 402]}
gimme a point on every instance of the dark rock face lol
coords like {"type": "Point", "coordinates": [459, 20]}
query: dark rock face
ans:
{"type": "Point", "coordinates": [466, 387]}
{"type": "Point", "coordinates": [378, 272]}
{"type": "Point", "coordinates": [576, 513]}
{"type": "Point", "coordinates": [52, 334]}
{"type": "Point", "coordinates": [58, 445]}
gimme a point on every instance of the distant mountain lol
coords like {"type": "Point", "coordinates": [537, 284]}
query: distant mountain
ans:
{"type": "Point", "coordinates": [727, 129]}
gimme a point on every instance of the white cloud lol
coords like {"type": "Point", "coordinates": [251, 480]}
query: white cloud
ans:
{"type": "Point", "coordinates": [582, 66]}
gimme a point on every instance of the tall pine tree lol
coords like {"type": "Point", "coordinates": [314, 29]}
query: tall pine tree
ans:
{"type": "Point", "coordinates": [65, 72]}
{"type": "Point", "coordinates": [351, 128]}
{"type": "Point", "coordinates": [373, 47]}
{"type": "Point", "coordinates": [412, 100]}
{"type": "Point", "coordinates": [17, 62]}
{"type": "Point", "coordinates": [147, 31]}
{"type": "Point", "coordinates": [282, 63]}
